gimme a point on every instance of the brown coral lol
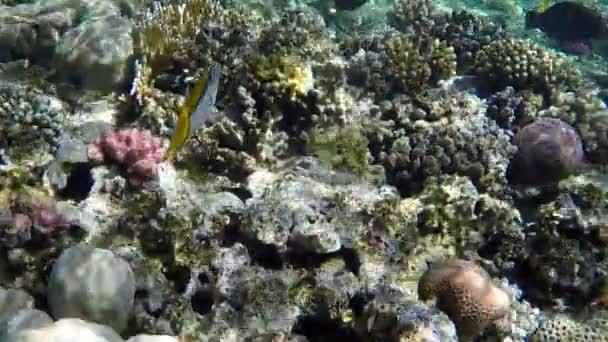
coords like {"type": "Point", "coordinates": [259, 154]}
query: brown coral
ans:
{"type": "Point", "coordinates": [563, 328]}
{"type": "Point", "coordinates": [466, 293]}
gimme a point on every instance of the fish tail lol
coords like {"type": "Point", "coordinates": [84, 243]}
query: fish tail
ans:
{"type": "Point", "coordinates": [214, 79]}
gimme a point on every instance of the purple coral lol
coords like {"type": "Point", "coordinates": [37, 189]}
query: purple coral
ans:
{"type": "Point", "coordinates": [548, 150]}
{"type": "Point", "coordinates": [138, 150]}
{"type": "Point", "coordinates": [29, 216]}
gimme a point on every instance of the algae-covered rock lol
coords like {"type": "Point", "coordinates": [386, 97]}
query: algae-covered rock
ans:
{"type": "Point", "coordinates": [22, 320]}
{"type": "Point", "coordinates": [96, 54]}
{"type": "Point", "coordinates": [92, 283]}
{"type": "Point", "coordinates": [69, 329]}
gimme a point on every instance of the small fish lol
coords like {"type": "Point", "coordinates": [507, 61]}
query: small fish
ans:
{"type": "Point", "coordinates": [198, 108]}
{"type": "Point", "coordinates": [567, 21]}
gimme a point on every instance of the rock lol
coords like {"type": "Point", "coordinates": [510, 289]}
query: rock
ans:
{"type": "Point", "coordinates": [320, 239]}
{"type": "Point", "coordinates": [22, 320]}
{"type": "Point", "coordinates": [93, 284]}
{"type": "Point", "coordinates": [13, 300]}
{"type": "Point", "coordinates": [69, 330]}
{"type": "Point", "coordinates": [96, 54]}
{"type": "Point", "coordinates": [153, 338]}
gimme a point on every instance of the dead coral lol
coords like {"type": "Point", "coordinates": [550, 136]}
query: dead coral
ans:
{"type": "Point", "coordinates": [466, 293]}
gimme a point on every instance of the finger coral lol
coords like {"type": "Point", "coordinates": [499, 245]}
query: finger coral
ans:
{"type": "Point", "coordinates": [138, 150]}
{"type": "Point", "coordinates": [523, 65]}
{"type": "Point", "coordinates": [466, 293]}
{"type": "Point", "coordinates": [414, 64]}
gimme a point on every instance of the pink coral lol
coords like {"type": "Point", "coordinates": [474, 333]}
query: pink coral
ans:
{"type": "Point", "coordinates": [138, 150]}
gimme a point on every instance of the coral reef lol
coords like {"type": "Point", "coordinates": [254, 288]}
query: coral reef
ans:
{"type": "Point", "coordinates": [567, 329]}
{"type": "Point", "coordinates": [415, 63]}
{"type": "Point", "coordinates": [450, 136]}
{"type": "Point", "coordinates": [364, 161]}
{"type": "Point", "coordinates": [412, 16]}
{"type": "Point", "coordinates": [512, 110]}
{"type": "Point", "coordinates": [467, 33]}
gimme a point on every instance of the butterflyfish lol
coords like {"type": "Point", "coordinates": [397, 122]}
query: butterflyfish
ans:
{"type": "Point", "coordinates": [198, 108]}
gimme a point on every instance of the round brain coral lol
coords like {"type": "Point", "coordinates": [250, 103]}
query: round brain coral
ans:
{"type": "Point", "coordinates": [548, 150]}
{"type": "Point", "coordinates": [466, 293]}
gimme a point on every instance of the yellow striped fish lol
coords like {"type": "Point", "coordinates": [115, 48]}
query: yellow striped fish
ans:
{"type": "Point", "coordinates": [198, 108]}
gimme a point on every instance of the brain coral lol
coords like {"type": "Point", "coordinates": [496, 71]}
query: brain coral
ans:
{"type": "Point", "coordinates": [548, 151]}
{"type": "Point", "coordinates": [466, 293]}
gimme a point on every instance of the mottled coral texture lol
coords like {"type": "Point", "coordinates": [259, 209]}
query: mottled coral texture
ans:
{"type": "Point", "coordinates": [466, 293]}
{"type": "Point", "coordinates": [138, 150]}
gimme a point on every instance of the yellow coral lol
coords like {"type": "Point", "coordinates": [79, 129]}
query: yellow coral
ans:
{"type": "Point", "coordinates": [286, 74]}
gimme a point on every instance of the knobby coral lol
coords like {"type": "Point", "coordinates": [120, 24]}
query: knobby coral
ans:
{"type": "Point", "coordinates": [523, 65]}
{"type": "Point", "coordinates": [138, 150]}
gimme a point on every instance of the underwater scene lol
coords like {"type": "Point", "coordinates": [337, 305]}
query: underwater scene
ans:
{"type": "Point", "coordinates": [303, 170]}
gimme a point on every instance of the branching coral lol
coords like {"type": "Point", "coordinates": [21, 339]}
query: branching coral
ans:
{"type": "Point", "coordinates": [169, 31]}
{"type": "Point", "coordinates": [467, 33]}
{"type": "Point", "coordinates": [511, 109]}
{"type": "Point", "coordinates": [588, 114]}
{"type": "Point", "coordinates": [412, 16]}
{"type": "Point", "coordinates": [138, 150]}
{"type": "Point", "coordinates": [27, 213]}
{"type": "Point", "coordinates": [523, 65]}
{"type": "Point", "coordinates": [296, 32]}
{"type": "Point", "coordinates": [413, 64]}
{"type": "Point", "coordinates": [286, 75]}
{"type": "Point", "coordinates": [438, 136]}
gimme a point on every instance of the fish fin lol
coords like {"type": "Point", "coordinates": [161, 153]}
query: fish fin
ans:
{"type": "Point", "coordinates": [194, 111]}
{"type": "Point", "coordinates": [180, 134]}
{"type": "Point", "coordinates": [206, 102]}
{"type": "Point", "coordinates": [543, 6]}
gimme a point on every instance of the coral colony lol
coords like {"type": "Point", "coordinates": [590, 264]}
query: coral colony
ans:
{"type": "Point", "coordinates": [138, 150]}
{"type": "Point", "coordinates": [355, 171]}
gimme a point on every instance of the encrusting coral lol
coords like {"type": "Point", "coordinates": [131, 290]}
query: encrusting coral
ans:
{"type": "Point", "coordinates": [562, 328]}
{"type": "Point", "coordinates": [466, 293]}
